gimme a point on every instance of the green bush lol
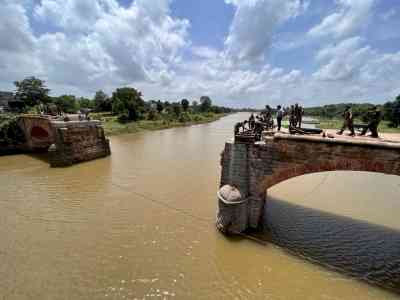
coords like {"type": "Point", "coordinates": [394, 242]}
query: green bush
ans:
{"type": "Point", "coordinates": [10, 132]}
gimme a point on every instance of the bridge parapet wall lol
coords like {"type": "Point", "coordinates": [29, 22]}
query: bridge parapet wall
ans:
{"type": "Point", "coordinates": [256, 167]}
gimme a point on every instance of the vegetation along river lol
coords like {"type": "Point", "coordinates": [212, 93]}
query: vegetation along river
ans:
{"type": "Point", "coordinates": [140, 224]}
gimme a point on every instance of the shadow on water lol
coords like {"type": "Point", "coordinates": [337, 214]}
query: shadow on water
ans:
{"type": "Point", "coordinates": [360, 249]}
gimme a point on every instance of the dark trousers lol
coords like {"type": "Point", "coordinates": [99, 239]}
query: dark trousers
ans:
{"type": "Point", "coordinates": [279, 120]}
{"type": "Point", "coordinates": [347, 124]}
{"type": "Point", "coordinates": [373, 127]}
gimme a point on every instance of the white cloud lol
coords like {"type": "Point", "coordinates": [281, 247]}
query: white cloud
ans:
{"type": "Point", "coordinates": [15, 32]}
{"type": "Point", "coordinates": [70, 15]}
{"type": "Point", "coordinates": [344, 60]}
{"type": "Point", "coordinates": [99, 44]}
{"type": "Point", "coordinates": [351, 16]}
{"type": "Point", "coordinates": [354, 71]}
{"type": "Point", "coordinates": [17, 43]}
{"type": "Point", "coordinates": [143, 45]}
{"type": "Point", "coordinates": [205, 52]}
{"type": "Point", "coordinates": [254, 25]}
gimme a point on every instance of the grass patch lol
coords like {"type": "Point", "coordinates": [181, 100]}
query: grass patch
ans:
{"type": "Point", "coordinates": [112, 126]}
{"type": "Point", "coordinates": [326, 123]}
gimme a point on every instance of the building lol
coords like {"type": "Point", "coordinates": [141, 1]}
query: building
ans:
{"type": "Point", "coordinates": [5, 98]}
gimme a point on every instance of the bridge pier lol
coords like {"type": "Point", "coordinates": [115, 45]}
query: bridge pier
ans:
{"type": "Point", "coordinates": [237, 172]}
{"type": "Point", "coordinates": [77, 142]}
{"type": "Point", "coordinates": [252, 168]}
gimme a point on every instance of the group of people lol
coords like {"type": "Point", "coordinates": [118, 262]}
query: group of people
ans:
{"type": "Point", "coordinates": [265, 121]}
{"type": "Point", "coordinates": [256, 123]}
{"type": "Point", "coordinates": [374, 116]}
{"type": "Point", "coordinates": [295, 113]}
{"type": "Point", "coordinates": [56, 111]}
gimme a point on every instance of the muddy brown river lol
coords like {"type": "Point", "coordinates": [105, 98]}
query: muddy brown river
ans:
{"type": "Point", "coordinates": [140, 225]}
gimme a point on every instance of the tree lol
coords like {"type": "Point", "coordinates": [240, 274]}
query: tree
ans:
{"type": "Point", "coordinates": [205, 104]}
{"type": "Point", "coordinates": [195, 106]}
{"type": "Point", "coordinates": [159, 106]}
{"type": "Point", "coordinates": [132, 102]}
{"type": "Point", "coordinates": [32, 91]}
{"type": "Point", "coordinates": [102, 102]}
{"type": "Point", "coordinates": [85, 103]}
{"type": "Point", "coordinates": [396, 114]}
{"type": "Point", "coordinates": [176, 107]}
{"type": "Point", "coordinates": [67, 103]}
{"type": "Point", "coordinates": [118, 107]}
{"type": "Point", "coordinates": [391, 112]}
{"type": "Point", "coordinates": [185, 104]}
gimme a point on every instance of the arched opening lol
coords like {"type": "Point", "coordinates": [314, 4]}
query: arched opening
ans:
{"type": "Point", "coordinates": [367, 196]}
{"type": "Point", "coordinates": [340, 219]}
{"type": "Point", "coordinates": [40, 133]}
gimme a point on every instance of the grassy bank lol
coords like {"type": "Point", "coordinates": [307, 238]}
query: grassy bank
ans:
{"type": "Point", "coordinates": [112, 126]}
{"type": "Point", "coordinates": [326, 123]}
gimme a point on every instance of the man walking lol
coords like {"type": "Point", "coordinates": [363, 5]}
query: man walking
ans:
{"type": "Point", "coordinates": [348, 121]}
{"type": "Point", "coordinates": [374, 120]}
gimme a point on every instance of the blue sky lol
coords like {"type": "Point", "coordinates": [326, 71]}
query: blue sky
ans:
{"type": "Point", "coordinates": [239, 52]}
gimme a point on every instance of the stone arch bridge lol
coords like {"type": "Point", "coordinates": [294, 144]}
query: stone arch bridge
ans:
{"type": "Point", "coordinates": [251, 168]}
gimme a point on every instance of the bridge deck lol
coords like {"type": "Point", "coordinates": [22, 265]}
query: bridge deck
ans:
{"type": "Point", "coordinates": [339, 140]}
{"type": "Point", "coordinates": [389, 140]}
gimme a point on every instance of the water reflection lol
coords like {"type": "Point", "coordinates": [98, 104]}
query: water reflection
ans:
{"type": "Point", "coordinates": [364, 250]}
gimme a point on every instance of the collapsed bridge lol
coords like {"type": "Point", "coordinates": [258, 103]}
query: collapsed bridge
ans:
{"type": "Point", "coordinates": [68, 142]}
{"type": "Point", "coordinates": [250, 168]}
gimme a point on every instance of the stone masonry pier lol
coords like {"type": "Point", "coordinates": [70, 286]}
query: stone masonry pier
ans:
{"type": "Point", "coordinates": [77, 141]}
{"type": "Point", "coordinates": [251, 169]}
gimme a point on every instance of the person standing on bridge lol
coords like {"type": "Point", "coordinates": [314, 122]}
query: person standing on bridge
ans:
{"type": "Point", "coordinates": [348, 121]}
{"type": "Point", "coordinates": [375, 118]}
{"type": "Point", "coordinates": [279, 116]}
{"type": "Point", "coordinates": [292, 117]}
{"type": "Point", "coordinates": [251, 122]}
{"type": "Point", "coordinates": [299, 115]}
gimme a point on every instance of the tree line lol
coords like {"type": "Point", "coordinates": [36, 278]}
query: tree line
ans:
{"type": "Point", "coordinates": [125, 102]}
{"type": "Point", "coordinates": [390, 110]}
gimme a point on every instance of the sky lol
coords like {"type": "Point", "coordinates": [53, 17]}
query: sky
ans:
{"type": "Point", "coordinates": [241, 53]}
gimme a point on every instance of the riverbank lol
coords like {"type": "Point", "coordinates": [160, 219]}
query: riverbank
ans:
{"type": "Point", "coordinates": [112, 126]}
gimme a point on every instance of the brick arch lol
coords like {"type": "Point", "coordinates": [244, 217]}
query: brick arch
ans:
{"type": "Point", "coordinates": [38, 131]}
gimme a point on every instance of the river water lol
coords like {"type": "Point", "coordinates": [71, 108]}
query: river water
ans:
{"type": "Point", "coordinates": [140, 225]}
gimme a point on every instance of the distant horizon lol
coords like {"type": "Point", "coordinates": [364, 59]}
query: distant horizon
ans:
{"type": "Point", "coordinates": [241, 53]}
{"type": "Point", "coordinates": [237, 107]}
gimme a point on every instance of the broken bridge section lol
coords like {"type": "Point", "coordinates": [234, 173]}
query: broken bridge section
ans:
{"type": "Point", "coordinates": [68, 142]}
{"type": "Point", "coordinates": [255, 167]}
